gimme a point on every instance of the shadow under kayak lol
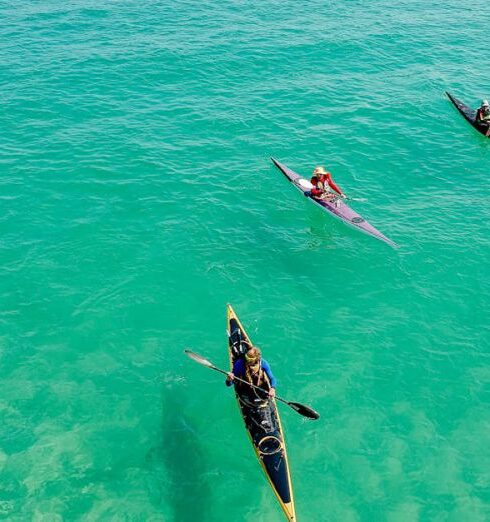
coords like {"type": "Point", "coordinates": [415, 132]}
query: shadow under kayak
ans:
{"type": "Point", "coordinates": [336, 208]}
{"type": "Point", "coordinates": [469, 115]}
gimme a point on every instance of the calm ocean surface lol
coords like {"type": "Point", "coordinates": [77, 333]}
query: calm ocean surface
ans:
{"type": "Point", "coordinates": [137, 199]}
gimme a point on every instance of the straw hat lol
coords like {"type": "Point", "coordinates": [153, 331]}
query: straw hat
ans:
{"type": "Point", "coordinates": [319, 170]}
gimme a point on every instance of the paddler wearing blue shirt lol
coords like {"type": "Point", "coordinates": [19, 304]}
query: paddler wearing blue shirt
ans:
{"type": "Point", "coordinates": [255, 370]}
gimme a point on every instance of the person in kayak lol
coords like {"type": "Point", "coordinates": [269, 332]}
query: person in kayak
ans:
{"type": "Point", "coordinates": [255, 370]}
{"type": "Point", "coordinates": [324, 186]}
{"type": "Point", "coordinates": [483, 113]}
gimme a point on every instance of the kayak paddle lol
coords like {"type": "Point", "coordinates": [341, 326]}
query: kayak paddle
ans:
{"type": "Point", "coordinates": [348, 198]}
{"type": "Point", "coordinates": [306, 411]}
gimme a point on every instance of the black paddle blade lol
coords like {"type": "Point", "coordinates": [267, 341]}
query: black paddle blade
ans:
{"type": "Point", "coordinates": [198, 358]}
{"type": "Point", "coordinates": [306, 411]}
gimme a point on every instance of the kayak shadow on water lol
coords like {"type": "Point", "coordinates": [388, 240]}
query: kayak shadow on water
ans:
{"type": "Point", "coordinates": [187, 491]}
{"type": "Point", "coordinates": [320, 234]}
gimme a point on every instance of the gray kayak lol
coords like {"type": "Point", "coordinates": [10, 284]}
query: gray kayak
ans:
{"type": "Point", "coordinates": [335, 207]}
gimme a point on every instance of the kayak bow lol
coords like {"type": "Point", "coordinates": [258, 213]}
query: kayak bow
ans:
{"type": "Point", "coordinates": [266, 435]}
{"type": "Point", "coordinates": [469, 114]}
{"type": "Point", "coordinates": [336, 207]}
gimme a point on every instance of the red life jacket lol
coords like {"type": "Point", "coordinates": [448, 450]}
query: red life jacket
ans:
{"type": "Point", "coordinates": [317, 189]}
{"type": "Point", "coordinates": [323, 184]}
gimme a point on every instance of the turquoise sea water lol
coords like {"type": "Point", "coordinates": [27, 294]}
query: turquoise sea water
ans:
{"type": "Point", "coordinates": [137, 199]}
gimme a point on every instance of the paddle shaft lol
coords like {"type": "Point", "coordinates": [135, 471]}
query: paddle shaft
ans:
{"type": "Point", "coordinates": [249, 384]}
{"type": "Point", "coordinates": [337, 197]}
{"type": "Point", "coordinates": [303, 183]}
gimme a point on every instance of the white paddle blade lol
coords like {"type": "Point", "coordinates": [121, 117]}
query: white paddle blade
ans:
{"type": "Point", "coordinates": [198, 358]}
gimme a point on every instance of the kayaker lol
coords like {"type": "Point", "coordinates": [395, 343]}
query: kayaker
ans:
{"type": "Point", "coordinates": [483, 113]}
{"type": "Point", "coordinates": [323, 185]}
{"type": "Point", "coordinates": [255, 370]}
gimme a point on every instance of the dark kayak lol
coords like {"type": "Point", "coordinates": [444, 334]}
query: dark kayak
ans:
{"type": "Point", "coordinates": [262, 423]}
{"type": "Point", "coordinates": [336, 207]}
{"type": "Point", "coordinates": [469, 114]}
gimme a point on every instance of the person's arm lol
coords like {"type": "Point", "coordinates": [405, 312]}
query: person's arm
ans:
{"type": "Point", "coordinates": [268, 372]}
{"type": "Point", "coordinates": [334, 186]}
{"type": "Point", "coordinates": [237, 371]}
